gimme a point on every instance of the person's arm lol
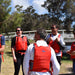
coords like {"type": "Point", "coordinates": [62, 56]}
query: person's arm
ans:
{"type": "Point", "coordinates": [2, 44]}
{"type": "Point", "coordinates": [28, 42]}
{"type": "Point", "coordinates": [62, 47]}
{"type": "Point", "coordinates": [71, 52]}
{"type": "Point", "coordinates": [26, 59]}
{"type": "Point", "coordinates": [13, 50]}
{"type": "Point", "coordinates": [26, 63]}
{"type": "Point", "coordinates": [48, 38]}
{"type": "Point", "coordinates": [55, 64]}
{"type": "Point", "coordinates": [61, 43]}
{"type": "Point", "coordinates": [13, 53]}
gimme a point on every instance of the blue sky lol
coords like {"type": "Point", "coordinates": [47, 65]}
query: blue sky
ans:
{"type": "Point", "coordinates": [25, 3]}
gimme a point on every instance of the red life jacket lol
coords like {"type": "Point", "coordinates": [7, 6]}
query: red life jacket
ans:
{"type": "Point", "coordinates": [55, 45]}
{"type": "Point", "coordinates": [0, 40]}
{"type": "Point", "coordinates": [21, 43]}
{"type": "Point", "coordinates": [0, 47]}
{"type": "Point", "coordinates": [41, 62]}
{"type": "Point", "coordinates": [73, 49]}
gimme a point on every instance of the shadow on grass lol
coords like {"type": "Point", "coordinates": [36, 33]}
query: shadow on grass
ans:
{"type": "Point", "coordinates": [70, 69]}
{"type": "Point", "coordinates": [66, 57]}
{"type": "Point", "coordinates": [9, 53]}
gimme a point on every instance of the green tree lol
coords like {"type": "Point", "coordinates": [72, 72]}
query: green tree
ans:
{"type": "Point", "coordinates": [4, 12]}
{"type": "Point", "coordinates": [14, 20]}
{"type": "Point", "coordinates": [32, 21]}
{"type": "Point", "coordinates": [28, 19]}
{"type": "Point", "coordinates": [59, 9]}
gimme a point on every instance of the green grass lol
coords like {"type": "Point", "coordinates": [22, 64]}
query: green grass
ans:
{"type": "Point", "coordinates": [8, 66]}
{"type": "Point", "coordinates": [66, 68]}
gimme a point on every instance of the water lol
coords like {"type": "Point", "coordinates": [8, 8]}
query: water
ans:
{"type": "Point", "coordinates": [68, 47]}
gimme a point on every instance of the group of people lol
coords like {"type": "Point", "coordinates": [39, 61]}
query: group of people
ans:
{"type": "Point", "coordinates": [40, 58]}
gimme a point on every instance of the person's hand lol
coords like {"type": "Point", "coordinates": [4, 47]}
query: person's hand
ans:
{"type": "Point", "coordinates": [50, 39]}
{"type": "Point", "coordinates": [15, 60]}
{"type": "Point", "coordinates": [68, 52]}
{"type": "Point", "coordinates": [57, 39]}
{"type": "Point", "coordinates": [73, 53]}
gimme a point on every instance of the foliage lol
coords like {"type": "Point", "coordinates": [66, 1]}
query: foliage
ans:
{"type": "Point", "coordinates": [32, 20]}
{"type": "Point", "coordinates": [4, 12]}
{"type": "Point", "coordinates": [60, 12]}
{"type": "Point", "coordinates": [28, 18]}
{"type": "Point", "coordinates": [13, 21]}
{"type": "Point", "coordinates": [59, 9]}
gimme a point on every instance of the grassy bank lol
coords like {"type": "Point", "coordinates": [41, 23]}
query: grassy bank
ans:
{"type": "Point", "coordinates": [8, 67]}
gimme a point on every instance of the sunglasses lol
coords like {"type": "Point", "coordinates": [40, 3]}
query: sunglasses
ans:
{"type": "Point", "coordinates": [18, 30]}
{"type": "Point", "coordinates": [53, 27]}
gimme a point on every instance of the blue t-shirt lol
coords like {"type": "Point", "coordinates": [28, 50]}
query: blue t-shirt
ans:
{"type": "Point", "coordinates": [2, 40]}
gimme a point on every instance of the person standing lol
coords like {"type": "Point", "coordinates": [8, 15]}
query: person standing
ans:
{"type": "Point", "coordinates": [72, 52]}
{"type": "Point", "coordinates": [38, 57]}
{"type": "Point", "coordinates": [19, 46]}
{"type": "Point", "coordinates": [2, 47]}
{"type": "Point", "coordinates": [55, 40]}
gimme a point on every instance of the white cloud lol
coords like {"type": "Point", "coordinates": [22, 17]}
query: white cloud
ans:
{"type": "Point", "coordinates": [37, 6]}
{"type": "Point", "coordinates": [23, 3]}
{"type": "Point", "coordinates": [35, 3]}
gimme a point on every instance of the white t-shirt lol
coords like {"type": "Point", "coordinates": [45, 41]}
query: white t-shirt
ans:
{"type": "Point", "coordinates": [54, 37]}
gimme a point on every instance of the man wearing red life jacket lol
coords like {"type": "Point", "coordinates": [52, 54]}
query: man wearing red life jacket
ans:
{"type": "Point", "coordinates": [38, 57]}
{"type": "Point", "coordinates": [19, 46]}
{"type": "Point", "coordinates": [55, 40]}
{"type": "Point", "coordinates": [2, 46]}
{"type": "Point", "coordinates": [72, 53]}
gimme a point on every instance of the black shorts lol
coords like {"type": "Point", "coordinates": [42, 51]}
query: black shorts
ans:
{"type": "Point", "coordinates": [59, 59]}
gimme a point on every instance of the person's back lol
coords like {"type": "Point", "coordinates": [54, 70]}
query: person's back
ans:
{"type": "Point", "coordinates": [42, 56]}
{"type": "Point", "coordinates": [39, 56]}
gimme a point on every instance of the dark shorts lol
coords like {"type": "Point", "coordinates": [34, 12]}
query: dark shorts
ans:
{"type": "Point", "coordinates": [59, 59]}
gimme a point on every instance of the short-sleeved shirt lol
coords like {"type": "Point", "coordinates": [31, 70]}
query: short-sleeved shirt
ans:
{"type": "Point", "coordinates": [2, 40]}
{"type": "Point", "coordinates": [2, 43]}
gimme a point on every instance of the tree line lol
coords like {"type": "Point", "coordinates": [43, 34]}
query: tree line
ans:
{"type": "Point", "coordinates": [60, 12]}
